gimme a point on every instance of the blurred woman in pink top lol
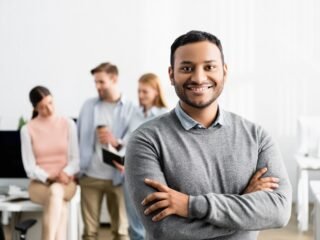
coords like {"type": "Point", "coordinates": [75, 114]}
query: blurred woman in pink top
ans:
{"type": "Point", "coordinates": [51, 159]}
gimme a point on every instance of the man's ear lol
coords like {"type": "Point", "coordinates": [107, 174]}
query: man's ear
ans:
{"type": "Point", "coordinates": [171, 76]}
{"type": "Point", "coordinates": [225, 72]}
{"type": "Point", "coordinates": [114, 78]}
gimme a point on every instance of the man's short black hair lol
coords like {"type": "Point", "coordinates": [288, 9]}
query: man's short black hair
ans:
{"type": "Point", "coordinates": [192, 37]}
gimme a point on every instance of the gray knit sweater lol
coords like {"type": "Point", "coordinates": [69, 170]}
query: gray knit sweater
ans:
{"type": "Point", "coordinates": [214, 167]}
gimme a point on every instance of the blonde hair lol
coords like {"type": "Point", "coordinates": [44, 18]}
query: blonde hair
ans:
{"type": "Point", "coordinates": [153, 81]}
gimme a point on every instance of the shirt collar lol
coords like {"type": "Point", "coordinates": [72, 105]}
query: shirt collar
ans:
{"type": "Point", "coordinates": [121, 101]}
{"type": "Point", "coordinates": [188, 123]}
{"type": "Point", "coordinates": [153, 111]}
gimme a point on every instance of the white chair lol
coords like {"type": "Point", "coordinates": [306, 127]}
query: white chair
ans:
{"type": "Point", "coordinates": [308, 159]}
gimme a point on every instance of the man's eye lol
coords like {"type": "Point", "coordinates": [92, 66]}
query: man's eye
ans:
{"type": "Point", "coordinates": [210, 67]}
{"type": "Point", "coordinates": [186, 69]}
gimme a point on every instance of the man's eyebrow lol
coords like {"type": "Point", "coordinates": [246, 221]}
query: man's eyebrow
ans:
{"type": "Point", "coordinates": [189, 62]}
{"type": "Point", "coordinates": [210, 61]}
{"type": "Point", "coordinates": [186, 62]}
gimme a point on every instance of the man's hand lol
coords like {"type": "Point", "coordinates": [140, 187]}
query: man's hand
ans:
{"type": "Point", "coordinates": [105, 136]}
{"type": "Point", "coordinates": [119, 166]}
{"type": "Point", "coordinates": [169, 201]}
{"type": "Point", "coordinates": [259, 183]}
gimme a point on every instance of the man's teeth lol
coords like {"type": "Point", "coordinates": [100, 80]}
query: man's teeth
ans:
{"type": "Point", "coordinates": [199, 89]}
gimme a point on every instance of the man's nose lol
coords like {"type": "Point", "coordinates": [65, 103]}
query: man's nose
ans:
{"type": "Point", "coordinates": [199, 75]}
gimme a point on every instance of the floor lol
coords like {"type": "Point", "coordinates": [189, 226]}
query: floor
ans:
{"type": "Point", "coordinates": [290, 232]}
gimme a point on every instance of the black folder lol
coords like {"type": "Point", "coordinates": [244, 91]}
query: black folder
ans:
{"type": "Point", "coordinates": [108, 156]}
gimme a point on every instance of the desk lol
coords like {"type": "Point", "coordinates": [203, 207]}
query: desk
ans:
{"type": "Point", "coordinates": [15, 209]}
{"type": "Point", "coordinates": [315, 189]}
{"type": "Point", "coordinates": [22, 206]}
{"type": "Point", "coordinates": [74, 219]}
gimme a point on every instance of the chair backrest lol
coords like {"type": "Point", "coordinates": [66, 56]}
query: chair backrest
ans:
{"type": "Point", "coordinates": [309, 136]}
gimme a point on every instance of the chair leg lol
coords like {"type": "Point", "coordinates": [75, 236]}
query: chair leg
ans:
{"type": "Point", "coordinates": [303, 201]}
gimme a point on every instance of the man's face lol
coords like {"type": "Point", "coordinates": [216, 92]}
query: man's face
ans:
{"type": "Point", "coordinates": [104, 83]}
{"type": "Point", "coordinates": [199, 74]}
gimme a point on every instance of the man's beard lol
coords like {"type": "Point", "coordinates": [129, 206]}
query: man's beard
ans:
{"type": "Point", "coordinates": [181, 91]}
{"type": "Point", "coordinates": [102, 95]}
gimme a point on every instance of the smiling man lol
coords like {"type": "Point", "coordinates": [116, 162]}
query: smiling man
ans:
{"type": "Point", "coordinates": [200, 172]}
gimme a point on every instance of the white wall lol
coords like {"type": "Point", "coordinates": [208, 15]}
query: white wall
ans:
{"type": "Point", "coordinates": [272, 48]}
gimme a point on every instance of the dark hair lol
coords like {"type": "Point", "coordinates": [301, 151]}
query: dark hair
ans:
{"type": "Point", "coordinates": [36, 95]}
{"type": "Point", "coordinates": [107, 68]}
{"type": "Point", "coordinates": [192, 37]}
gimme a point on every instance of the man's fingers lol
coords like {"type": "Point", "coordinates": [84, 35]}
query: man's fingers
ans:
{"type": "Point", "coordinates": [156, 206]}
{"type": "Point", "coordinates": [163, 214]}
{"type": "Point", "coordinates": [156, 185]}
{"type": "Point", "coordinates": [259, 173]}
{"type": "Point", "coordinates": [103, 140]}
{"type": "Point", "coordinates": [270, 185]}
{"type": "Point", "coordinates": [268, 189]}
{"type": "Point", "coordinates": [264, 187]}
{"type": "Point", "coordinates": [154, 196]}
{"type": "Point", "coordinates": [269, 179]}
{"type": "Point", "coordinates": [118, 166]}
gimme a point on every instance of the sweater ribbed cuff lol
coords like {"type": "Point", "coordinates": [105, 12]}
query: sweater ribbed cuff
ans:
{"type": "Point", "coordinates": [198, 207]}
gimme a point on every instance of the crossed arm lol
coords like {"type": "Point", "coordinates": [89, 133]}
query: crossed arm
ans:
{"type": "Point", "coordinates": [170, 202]}
{"type": "Point", "coordinates": [264, 203]}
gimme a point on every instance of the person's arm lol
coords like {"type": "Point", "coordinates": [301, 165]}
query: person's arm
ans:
{"type": "Point", "coordinates": [29, 162]}
{"type": "Point", "coordinates": [259, 182]}
{"type": "Point", "coordinates": [73, 150]}
{"type": "Point", "coordinates": [255, 210]}
{"type": "Point", "coordinates": [83, 165]}
{"type": "Point", "coordinates": [130, 125]}
{"type": "Point", "coordinates": [142, 161]}
{"type": "Point", "coordinates": [167, 201]}
{"type": "Point", "coordinates": [106, 137]}
{"type": "Point", "coordinates": [85, 135]}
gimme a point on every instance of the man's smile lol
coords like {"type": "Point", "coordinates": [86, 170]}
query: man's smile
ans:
{"type": "Point", "coordinates": [198, 88]}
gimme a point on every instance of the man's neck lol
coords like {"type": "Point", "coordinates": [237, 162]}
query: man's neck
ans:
{"type": "Point", "coordinates": [113, 96]}
{"type": "Point", "coordinates": [204, 116]}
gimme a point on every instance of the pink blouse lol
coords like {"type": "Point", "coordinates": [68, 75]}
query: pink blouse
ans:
{"type": "Point", "coordinates": [49, 138]}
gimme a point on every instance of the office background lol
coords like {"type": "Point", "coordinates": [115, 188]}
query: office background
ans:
{"type": "Point", "coordinates": [272, 49]}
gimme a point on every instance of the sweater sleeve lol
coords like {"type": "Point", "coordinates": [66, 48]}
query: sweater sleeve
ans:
{"type": "Point", "coordinates": [142, 161]}
{"type": "Point", "coordinates": [73, 150]}
{"type": "Point", "coordinates": [29, 162]}
{"type": "Point", "coordinates": [254, 211]}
